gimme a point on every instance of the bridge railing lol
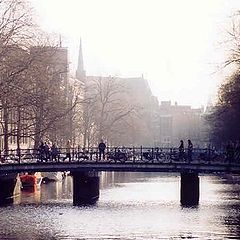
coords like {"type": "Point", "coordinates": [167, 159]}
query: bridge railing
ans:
{"type": "Point", "coordinates": [121, 154]}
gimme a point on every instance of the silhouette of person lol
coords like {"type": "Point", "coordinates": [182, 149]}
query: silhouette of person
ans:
{"type": "Point", "coordinates": [54, 152]}
{"type": "Point", "coordinates": [101, 148]}
{"type": "Point", "coordinates": [68, 151]}
{"type": "Point", "coordinates": [41, 151]}
{"type": "Point", "coordinates": [47, 151]}
{"type": "Point", "coordinates": [181, 150]}
{"type": "Point", "coordinates": [190, 149]}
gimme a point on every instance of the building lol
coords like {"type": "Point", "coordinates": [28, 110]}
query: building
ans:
{"type": "Point", "coordinates": [178, 122]}
{"type": "Point", "coordinates": [33, 114]}
{"type": "Point", "coordinates": [130, 115]}
{"type": "Point", "coordinates": [147, 124]}
{"type": "Point", "coordinates": [12, 78]}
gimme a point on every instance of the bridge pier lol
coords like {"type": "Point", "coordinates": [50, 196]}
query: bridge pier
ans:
{"type": "Point", "coordinates": [7, 185]}
{"type": "Point", "coordinates": [85, 188]}
{"type": "Point", "coordinates": [189, 189]}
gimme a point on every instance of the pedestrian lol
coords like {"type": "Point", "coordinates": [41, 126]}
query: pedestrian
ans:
{"type": "Point", "coordinates": [181, 150]}
{"type": "Point", "coordinates": [68, 151]}
{"type": "Point", "coordinates": [101, 148]}
{"type": "Point", "coordinates": [78, 152]}
{"type": "Point", "coordinates": [47, 151]}
{"type": "Point", "coordinates": [54, 152]}
{"type": "Point", "coordinates": [41, 151]}
{"type": "Point", "coordinates": [190, 149]}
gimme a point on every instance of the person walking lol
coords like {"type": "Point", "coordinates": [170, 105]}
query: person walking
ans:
{"type": "Point", "coordinates": [68, 151]}
{"type": "Point", "coordinates": [190, 149]}
{"type": "Point", "coordinates": [47, 151]}
{"type": "Point", "coordinates": [181, 150]}
{"type": "Point", "coordinates": [101, 148]}
{"type": "Point", "coordinates": [41, 151]}
{"type": "Point", "coordinates": [54, 153]}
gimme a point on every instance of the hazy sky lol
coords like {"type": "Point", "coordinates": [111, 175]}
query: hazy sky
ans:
{"type": "Point", "coordinates": [175, 44]}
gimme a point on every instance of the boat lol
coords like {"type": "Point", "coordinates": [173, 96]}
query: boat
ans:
{"type": "Point", "coordinates": [52, 176]}
{"type": "Point", "coordinates": [29, 180]}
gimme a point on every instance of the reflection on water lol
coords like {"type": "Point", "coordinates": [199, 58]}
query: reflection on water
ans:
{"type": "Point", "coordinates": [131, 206]}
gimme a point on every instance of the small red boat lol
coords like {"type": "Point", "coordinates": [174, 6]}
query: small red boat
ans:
{"type": "Point", "coordinates": [30, 180]}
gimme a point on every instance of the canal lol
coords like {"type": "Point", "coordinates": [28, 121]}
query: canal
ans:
{"type": "Point", "coordinates": [131, 206]}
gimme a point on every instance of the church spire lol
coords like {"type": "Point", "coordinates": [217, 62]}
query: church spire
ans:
{"type": "Point", "coordinates": [80, 73]}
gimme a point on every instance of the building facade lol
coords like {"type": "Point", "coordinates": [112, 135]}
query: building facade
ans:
{"type": "Point", "coordinates": [181, 122]}
{"type": "Point", "coordinates": [124, 111]}
{"type": "Point", "coordinates": [46, 82]}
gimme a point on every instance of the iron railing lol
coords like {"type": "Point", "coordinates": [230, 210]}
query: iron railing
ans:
{"type": "Point", "coordinates": [121, 154]}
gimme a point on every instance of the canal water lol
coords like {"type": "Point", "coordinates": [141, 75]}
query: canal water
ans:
{"type": "Point", "coordinates": [131, 206]}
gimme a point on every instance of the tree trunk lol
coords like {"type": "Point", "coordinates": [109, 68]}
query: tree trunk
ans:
{"type": "Point", "coordinates": [38, 128]}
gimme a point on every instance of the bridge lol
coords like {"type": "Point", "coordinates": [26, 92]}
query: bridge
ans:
{"type": "Point", "coordinates": [85, 164]}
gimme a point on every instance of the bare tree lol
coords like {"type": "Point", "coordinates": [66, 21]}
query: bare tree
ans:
{"type": "Point", "coordinates": [233, 42]}
{"type": "Point", "coordinates": [225, 116]}
{"type": "Point", "coordinates": [34, 91]}
{"type": "Point", "coordinates": [16, 27]}
{"type": "Point", "coordinates": [104, 109]}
